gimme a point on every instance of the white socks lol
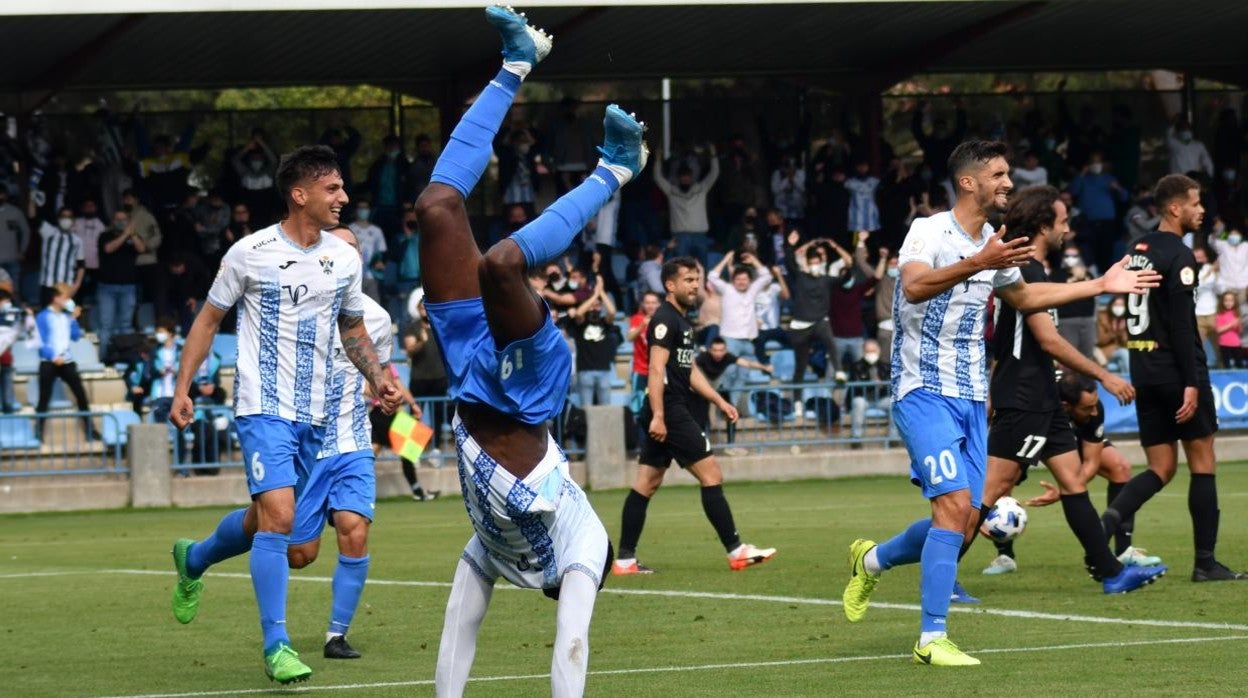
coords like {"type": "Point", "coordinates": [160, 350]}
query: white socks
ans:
{"type": "Point", "coordinates": [465, 609]}
{"type": "Point", "coordinates": [520, 68]}
{"type": "Point", "coordinates": [871, 561]}
{"type": "Point", "coordinates": [926, 638]}
{"type": "Point", "coordinates": [571, 652]}
{"type": "Point", "coordinates": [622, 174]}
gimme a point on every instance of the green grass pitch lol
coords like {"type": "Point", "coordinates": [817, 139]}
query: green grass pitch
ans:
{"type": "Point", "coordinates": [85, 607]}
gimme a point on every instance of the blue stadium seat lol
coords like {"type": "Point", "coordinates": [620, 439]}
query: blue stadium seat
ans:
{"type": "Point", "coordinates": [17, 433]}
{"type": "Point", "coordinates": [773, 396]}
{"type": "Point", "coordinates": [25, 358]}
{"type": "Point", "coordinates": [225, 346]}
{"type": "Point", "coordinates": [620, 399]}
{"type": "Point", "coordinates": [809, 395]}
{"type": "Point", "coordinates": [114, 426]}
{"type": "Point", "coordinates": [86, 356]}
{"type": "Point", "coordinates": [757, 377]}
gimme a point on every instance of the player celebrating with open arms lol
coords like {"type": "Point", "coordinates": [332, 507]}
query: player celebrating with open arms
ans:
{"type": "Point", "coordinates": [950, 262]}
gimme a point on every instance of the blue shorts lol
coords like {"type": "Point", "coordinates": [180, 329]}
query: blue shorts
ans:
{"type": "Point", "coordinates": [947, 438]}
{"type": "Point", "coordinates": [345, 482]}
{"type": "Point", "coordinates": [277, 452]}
{"type": "Point", "coordinates": [527, 380]}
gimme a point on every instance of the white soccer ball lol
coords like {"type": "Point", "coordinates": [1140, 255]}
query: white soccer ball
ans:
{"type": "Point", "coordinates": [1006, 521]}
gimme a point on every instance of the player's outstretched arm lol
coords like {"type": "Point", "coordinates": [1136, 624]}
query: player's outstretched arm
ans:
{"type": "Point", "coordinates": [703, 387]}
{"type": "Point", "coordinates": [921, 282]}
{"type": "Point", "coordinates": [1042, 326]}
{"type": "Point", "coordinates": [1118, 279]}
{"type": "Point", "coordinates": [361, 352]}
{"type": "Point", "coordinates": [194, 350]}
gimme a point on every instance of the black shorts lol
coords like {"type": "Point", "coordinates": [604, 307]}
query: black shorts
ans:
{"type": "Point", "coordinates": [686, 439]}
{"type": "Point", "coordinates": [1155, 406]}
{"type": "Point", "coordinates": [381, 426]}
{"type": "Point", "coordinates": [1029, 437]}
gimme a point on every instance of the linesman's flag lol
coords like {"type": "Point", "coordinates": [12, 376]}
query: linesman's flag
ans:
{"type": "Point", "coordinates": [409, 436]}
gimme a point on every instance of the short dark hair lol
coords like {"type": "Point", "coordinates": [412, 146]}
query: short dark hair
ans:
{"type": "Point", "coordinates": [651, 251]}
{"type": "Point", "coordinates": [742, 269]}
{"type": "Point", "coordinates": [1171, 187]}
{"type": "Point", "coordinates": [971, 153]}
{"type": "Point", "coordinates": [304, 164]}
{"type": "Point", "coordinates": [1072, 386]}
{"type": "Point", "coordinates": [673, 267]}
{"type": "Point", "coordinates": [657, 296]}
{"type": "Point", "coordinates": [1030, 210]}
{"type": "Point", "coordinates": [719, 340]}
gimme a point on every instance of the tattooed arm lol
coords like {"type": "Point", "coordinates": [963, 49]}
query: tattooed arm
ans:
{"type": "Point", "coordinates": [359, 349]}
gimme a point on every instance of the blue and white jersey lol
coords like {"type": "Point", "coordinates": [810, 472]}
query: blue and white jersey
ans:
{"type": "Point", "coordinates": [351, 431]}
{"type": "Point", "coordinates": [938, 345]}
{"type": "Point", "coordinates": [288, 319]}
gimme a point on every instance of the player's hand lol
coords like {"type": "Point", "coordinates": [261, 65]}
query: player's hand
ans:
{"type": "Point", "coordinates": [1188, 409]}
{"type": "Point", "coordinates": [417, 412]}
{"type": "Point", "coordinates": [730, 412]}
{"type": "Point", "coordinates": [658, 430]}
{"type": "Point", "coordinates": [389, 395]}
{"type": "Point", "coordinates": [1120, 389]}
{"type": "Point", "coordinates": [182, 411]}
{"type": "Point", "coordinates": [1050, 495]}
{"type": "Point", "coordinates": [1119, 279]}
{"type": "Point", "coordinates": [794, 238]}
{"type": "Point", "coordinates": [1003, 255]}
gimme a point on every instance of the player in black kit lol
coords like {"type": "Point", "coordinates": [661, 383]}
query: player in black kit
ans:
{"type": "Point", "coordinates": [1028, 422]}
{"type": "Point", "coordinates": [1171, 377]}
{"type": "Point", "coordinates": [673, 430]}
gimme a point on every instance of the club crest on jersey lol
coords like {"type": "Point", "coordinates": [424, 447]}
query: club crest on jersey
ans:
{"type": "Point", "coordinates": [660, 331]}
{"type": "Point", "coordinates": [1141, 246]}
{"type": "Point", "coordinates": [1187, 275]}
{"type": "Point", "coordinates": [327, 264]}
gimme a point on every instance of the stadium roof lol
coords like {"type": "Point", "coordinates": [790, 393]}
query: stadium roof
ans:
{"type": "Point", "coordinates": [153, 44]}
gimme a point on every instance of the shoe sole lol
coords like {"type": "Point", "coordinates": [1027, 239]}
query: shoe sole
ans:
{"type": "Point", "coordinates": [294, 679]}
{"type": "Point", "coordinates": [738, 565]}
{"type": "Point", "coordinates": [1148, 581]}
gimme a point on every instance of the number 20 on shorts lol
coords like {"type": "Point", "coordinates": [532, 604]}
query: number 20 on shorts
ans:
{"type": "Point", "coordinates": [947, 464]}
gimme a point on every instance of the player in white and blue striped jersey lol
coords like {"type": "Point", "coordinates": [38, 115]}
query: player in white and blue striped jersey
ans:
{"type": "Point", "coordinates": [950, 263]}
{"type": "Point", "coordinates": [299, 290]}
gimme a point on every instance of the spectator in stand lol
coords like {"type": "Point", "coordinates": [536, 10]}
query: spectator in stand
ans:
{"type": "Point", "coordinates": [344, 140]}
{"type": "Point", "coordinates": [145, 223]}
{"type": "Point", "coordinates": [1228, 328]}
{"type": "Point", "coordinates": [164, 165]}
{"type": "Point", "coordinates": [210, 430]}
{"type": "Point", "coordinates": [939, 144]}
{"type": "Point", "coordinates": [591, 328]}
{"type": "Point", "coordinates": [772, 246]}
{"type": "Point", "coordinates": [115, 292]}
{"type": "Point", "coordinates": [737, 189]}
{"type": "Point", "coordinates": [183, 284]}
{"type": "Point", "coordinates": [519, 167]}
{"type": "Point", "coordinates": [811, 279]}
{"type": "Point", "coordinates": [638, 324]}
{"type": "Point", "coordinates": [686, 205]}
{"type": "Point", "coordinates": [738, 324]}
{"type": "Point", "coordinates": [255, 164]}
{"type": "Point", "coordinates": [212, 217]}
{"type": "Point", "coordinates": [788, 192]}
{"type": "Point", "coordinates": [137, 376]}
{"type": "Point", "coordinates": [899, 194]}
{"type": "Point", "coordinates": [58, 329]}
{"type": "Point", "coordinates": [405, 262]}
{"type": "Point", "coordinates": [829, 200]}
{"type": "Point", "coordinates": [88, 227]}
{"type": "Point", "coordinates": [1097, 194]}
{"type": "Point", "coordinates": [887, 274]}
{"type": "Point", "coordinates": [387, 183]}
{"type": "Point", "coordinates": [240, 225]}
{"type": "Point", "coordinates": [1207, 285]}
{"type": "Point", "coordinates": [710, 309]}
{"type": "Point", "coordinates": [1186, 153]}
{"type": "Point", "coordinates": [649, 272]}
{"type": "Point", "coordinates": [1030, 174]}
{"type": "Point", "coordinates": [181, 234]}
{"type": "Point", "coordinates": [372, 247]}
{"type": "Point", "coordinates": [165, 356]}
{"type": "Point", "coordinates": [726, 373]}
{"type": "Point", "coordinates": [16, 324]}
{"type": "Point", "coordinates": [845, 306]}
{"type": "Point", "coordinates": [61, 258]}
{"type": "Point", "coordinates": [1232, 263]}
{"type": "Point", "coordinates": [558, 292]}
{"type": "Point", "coordinates": [14, 236]}
{"type": "Point", "coordinates": [1076, 322]}
{"type": "Point", "coordinates": [428, 382]}
{"type": "Point", "coordinates": [767, 310]}
{"type": "Point", "coordinates": [1111, 336]}
{"type": "Point", "coordinates": [571, 146]}
{"type": "Point", "coordinates": [1142, 218]}
{"type": "Point", "coordinates": [422, 166]}
{"type": "Point", "coordinates": [864, 213]}
{"type": "Point", "coordinates": [871, 368]}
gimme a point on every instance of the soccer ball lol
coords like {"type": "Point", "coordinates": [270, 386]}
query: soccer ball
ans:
{"type": "Point", "coordinates": [1006, 521]}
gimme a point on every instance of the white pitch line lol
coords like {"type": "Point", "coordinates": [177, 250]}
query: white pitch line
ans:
{"type": "Point", "coordinates": [722, 596]}
{"type": "Point", "coordinates": [697, 667]}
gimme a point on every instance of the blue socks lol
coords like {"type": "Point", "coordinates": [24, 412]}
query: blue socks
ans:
{"type": "Point", "coordinates": [224, 543]}
{"type": "Point", "coordinates": [906, 547]}
{"type": "Point", "coordinates": [939, 566]}
{"type": "Point", "coordinates": [472, 142]}
{"type": "Point", "coordinates": [270, 574]}
{"type": "Point", "coordinates": [548, 236]}
{"type": "Point", "coordinates": [349, 578]}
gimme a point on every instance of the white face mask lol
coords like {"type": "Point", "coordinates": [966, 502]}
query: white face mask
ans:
{"type": "Point", "coordinates": [1070, 260]}
{"type": "Point", "coordinates": [65, 223]}
{"type": "Point", "coordinates": [70, 305]}
{"type": "Point", "coordinates": [894, 272]}
{"type": "Point", "coordinates": [1234, 238]}
{"type": "Point", "coordinates": [1096, 168]}
{"type": "Point", "coordinates": [1118, 310]}
{"type": "Point", "coordinates": [871, 358]}
{"type": "Point", "coordinates": [162, 337]}
{"type": "Point", "coordinates": [573, 284]}
{"type": "Point", "coordinates": [819, 270]}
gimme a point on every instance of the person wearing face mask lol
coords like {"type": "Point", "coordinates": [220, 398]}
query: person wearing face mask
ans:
{"type": "Point", "coordinates": [1141, 218]}
{"type": "Point", "coordinates": [58, 329]}
{"type": "Point", "coordinates": [1232, 262]}
{"type": "Point", "coordinates": [1111, 336]}
{"type": "Point", "coordinates": [887, 274]}
{"type": "Point", "coordinates": [255, 164]}
{"type": "Point", "coordinates": [164, 358]}
{"type": "Point", "coordinates": [387, 181]}
{"type": "Point", "coordinates": [518, 168]}
{"type": "Point", "coordinates": [845, 307]}
{"type": "Point", "coordinates": [871, 368]}
{"type": "Point", "coordinates": [1098, 195]}
{"type": "Point", "coordinates": [14, 236]}
{"type": "Point", "coordinates": [15, 324]}
{"type": "Point", "coordinates": [1186, 153]}
{"type": "Point", "coordinates": [686, 206]}
{"type": "Point", "coordinates": [1207, 287]}
{"type": "Point", "coordinates": [1076, 321]}
{"type": "Point", "coordinates": [118, 248]}
{"type": "Point", "coordinates": [372, 246]}
{"type": "Point", "coordinates": [812, 282]}
{"type": "Point", "coordinates": [62, 257]}
{"type": "Point", "coordinates": [145, 225]}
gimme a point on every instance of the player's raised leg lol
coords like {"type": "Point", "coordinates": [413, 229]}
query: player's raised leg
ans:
{"type": "Point", "coordinates": [570, 660]}
{"type": "Point", "coordinates": [447, 247]}
{"type": "Point", "coordinates": [465, 610]}
{"type": "Point", "coordinates": [192, 558]}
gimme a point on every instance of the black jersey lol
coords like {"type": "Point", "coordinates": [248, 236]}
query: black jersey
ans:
{"type": "Point", "coordinates": [1023, 377]}
{"type": "Point", "coordinates": [1161, 324]}
{"type": "Point", "coordinates": [670, 329]}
